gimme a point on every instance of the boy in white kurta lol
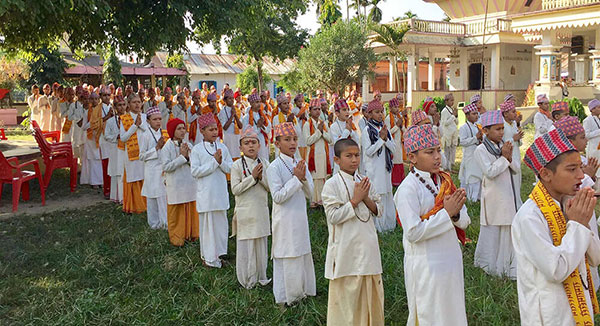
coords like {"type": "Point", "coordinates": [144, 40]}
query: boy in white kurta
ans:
{"type": "Point", "coordinates": [257, 119]}
{"type": "Point", "coordinates": [513, 134]}
{"type": "Point", "coordinates": [45, 107]}
{"type": "Point", "coordinates": [449, 130]}
{"type": "Point", "coordinates": [470, 137]}
{"type": "Point", "coordinates": [433, 217]}
{"type": "Point", "coordinates": [232, 125]}
{"type": "Point", "coordinates": [290, 184]}
{"type": "Point", "coordinates": [182, 216]}
{"type": "Point", "coordinates": [105, 147]}
{"type": "Point", "coordinates": [342, 127]}
{"type": "Point", "coordinates": [318, 139]}
{"type": "Point", "coordinates": [395, 122]}
{"type": "Point", "coordinates": [65, 109]}
{"type": "Point", "coordinates": [378, 147]}
{"type": "Point", "coordinates": [542, 120]}
{"type": "Point", "coordinates": [32, 102]}
{"type": "Point", "coordinates": [353, 261]}
{"type": "Point", "coordinates": [91, 162]}
{"type": "Point", "coordinates": [553, 243]}
{"type": "Point", "coordinates": [591, 124]}
{"type": "Point", "coordinates": [210, 162]}
{"type": "Point", "coordinates": [283, 114]}
{"type": "Point", "coordinates": [116, 148]}
{"type": "Point", "coordinates": [154, 189]}
{"type": "Point", "coordinates": [499, 202]}
{"type": "Point", "coordinates": [250, 224]}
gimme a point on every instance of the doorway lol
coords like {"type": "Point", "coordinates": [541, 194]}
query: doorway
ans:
{"type": "Point", "coordinates": [475, 80]}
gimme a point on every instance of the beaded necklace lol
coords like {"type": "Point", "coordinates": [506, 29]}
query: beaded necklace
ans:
{"type": "Point", "coordinates": [206, 149]}
{"type": "Point", "coordinates": [349, 197]}
{"type": "Point", "coordinates": [427, 185]}
{"type": "Point", "coordinates": [245, 166]}
{"type": "Point", "coordinates": [286, 166]}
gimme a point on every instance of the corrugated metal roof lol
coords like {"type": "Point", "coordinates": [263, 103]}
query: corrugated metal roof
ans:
{"type": "Point", "coordinates": [201, 64]}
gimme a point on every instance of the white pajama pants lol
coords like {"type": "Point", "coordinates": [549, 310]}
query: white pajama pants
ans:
{"type": "Point", "coordinates": [156, 210]}
{"type": "Point", "coordinates": [214, 229]}
{"type": "Point", "coordinates": [116, 188]}
{"type": "Point", "coordinates": [450, 155]}
{"type": "Point", "coordinates": [387, 221]}
{"type": "Point", "coordinates": [251, 259]}
{"type": "Point", "coordinates": [293, 278]}
{"type": "Point", "coordinates": [473, 190]}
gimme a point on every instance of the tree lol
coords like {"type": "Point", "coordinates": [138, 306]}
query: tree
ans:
{"type": "Point", "coordinates": [248, 79]}
{"type": "Point", "coordinates": [375, 14]}
{"type": "Point", "coordinates": [13, 73]}
{"type": "Point", "coordinates": [111, 70]}
{"type": "Point", "coordinates": [329, 12]}
{"type": "Point", "coordinates": [269, 30]}
{"type": "Point", "coordinates": [409, 14]}
{"type": "Point", "coordinates": [45, 67]}
{"type": "Point", "coordinates": [132, 26]}
{"type": "Point", "coordinates": [176, 61]}
{"type": "Point", "coordinates": [292, 81]}
{"type": "Point", "coordinates": [391, 36]}
{"type": "Point", "coordinates": [336, 57]}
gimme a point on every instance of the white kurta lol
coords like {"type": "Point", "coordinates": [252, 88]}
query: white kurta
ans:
{"type": "Point", "coordinates": [104, 146]}
{"type": "Point", "coordinates": [300, 126]}
{"type": "Point", "coordinates": [263, 134]}
{"type": "Point", "coordinates": [154, 184]}
{"type": "Point", "coordinates": [543, 266]}
{"type": "Point", "coordinates": [542, 124]}
{"type": "Point", "coordinates": [91, 171]}
{"type": "Point", "coordinates": [396, 133]}
{"type": "Point", "coordinates": [469, 173]}
{"type": "Point", "coordinates": [115, 162]}
{"type": "Point", "coordinates": [352, 245]}
{"type": "Point", "coordinates": [45, 107]}
{"type": "Point", "coordinates": [56, 123]}
{"type": "Point", "coordinates": [591, 125]}
{"type": "Point", "coordinates": [510, 130]}
{"type": "Point", "coordinates": [318, 139]}
{"type": "Point", "coordinates": [230, 138]}
{"type": "Point", "coordinates": [293, 269]}
{"type": "Point", "coordinates": [76, 113]}
{"type": "Point", "coordinates": [449, 128]}
{"type": "Point", "coordinates": [338, 131]}
{"type": "Point", "coordinates": [134, 170]}
{"type": "Point", "coordinates": [251, 223]}
{"type": "Point", "coordinates": [180, 185]}
{"type": "Point", "coordinates": [32, 101]}
{"type": "Point", "coordinates": [380, 177]}
{"type": "Point", "coordinates": [433, 266]}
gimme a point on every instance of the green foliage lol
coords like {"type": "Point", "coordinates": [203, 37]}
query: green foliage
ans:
{"type": "Point", "coordinates": [111, 70]}
{"type": "Point", "coordinates": [439, 103]}
{"type": "Point", "coordinates": [292, 81]}
{"type": "Point", "coordinates": [270, 30]}
{"type": "Point", "coordinates": [336, 57]}
{"type": "Point", "coordinates": [14, 73]}
{"type": "Point", "coordinates": [46, 66]}
{"type": "Point", "coordinates": [248, 79]}
{"type": "Point", "coordinates": [576, 108]}
{"type": "Point", "coordinates": [329, 12]}
{"type": "Point", "coordinates": [375, 14]}
{"type": "Point", "coordinates": [176, 61]}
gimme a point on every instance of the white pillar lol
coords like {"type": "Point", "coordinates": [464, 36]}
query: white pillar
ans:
{"type": "Point", "coordinates": [365, 89]}
{"type": "Point", "coordinates": [464, 68]}
{"type": "Point", "coordinates": [410, 77]}
{"type": "Point", "coordinates": [495, 67]}
{"type": "Point", "coordinates": [392, 75]}
{"type": "Point", "coordinates": [431, 73]}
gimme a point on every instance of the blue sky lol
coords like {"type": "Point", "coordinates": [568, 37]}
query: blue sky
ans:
{"type": "Point", "coordinates": [390, 9]}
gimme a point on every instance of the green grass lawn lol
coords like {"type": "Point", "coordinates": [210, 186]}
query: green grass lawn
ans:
{"type": "Point", "coordinates": [98, 266]}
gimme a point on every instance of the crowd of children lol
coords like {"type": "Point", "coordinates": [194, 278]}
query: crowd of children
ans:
{"type": "Point", "coordinates": [177, 157]}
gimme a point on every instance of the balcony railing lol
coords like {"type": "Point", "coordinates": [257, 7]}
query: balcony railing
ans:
{"type": "Point", "coordinates": [491, 26]}
{"type": "Point", "coordinates": [557, 4]}
{"type": "Point", "coordinates": [456, 29]}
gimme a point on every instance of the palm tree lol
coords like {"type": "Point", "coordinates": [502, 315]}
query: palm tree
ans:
{"type": "Point", "coordinates": [391, 36]}
{"type": "Point", "coordinates": [375, 14]}
{"type": "Point", "coordinates": [329, 11]}
{"type": "Point", "coordinates": [409, 14]}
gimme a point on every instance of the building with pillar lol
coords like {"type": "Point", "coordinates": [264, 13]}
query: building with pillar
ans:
{"type": "Point", "coordinates": [511, 46]}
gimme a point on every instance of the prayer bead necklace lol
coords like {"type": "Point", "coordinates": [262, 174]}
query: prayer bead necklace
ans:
{"type": "Point", "coordinates": [286, 166]}
{"type": "Point", "coordinates": [428, 186]}
{"type": "Point", "coordinates": [350, 197]}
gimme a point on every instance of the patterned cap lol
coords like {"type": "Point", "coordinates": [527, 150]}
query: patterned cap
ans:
{"type": "Point", "coordinates": [475, 98]}
{"type": "Point", "coordinates": [420, 137]}
{"type": "Point", "coordinates": [253, 98]}
{"type": "Point", "coordinates": [507, 106]}
{"type": "Point", "coordinates": [206, 119]}
{"type": "Point", "coordinates": [428, 105]}
{"type": "Point", "coordinates": [470, 108]}
{"type": "Point", "coordinates": [172, 125]}
{"type": "Point", "coordinates": [281, 97]}
{"type": "Point", "coordinates": [196, 93]}
{"type": "Point", "coordinates": [374, 105]}
{"type": "Point", "coordinates": [394, 103]}
{"type": "Point", "coordinates": [593, 103]}
{"type": "Point", "coordinates": [152, 110]}
{"type": "Point", "coordinates": [340, 104]}
{"type": "Point", "coordinates": [323, 101]}
{"type": "Point", "coordinates": [315, 102]}
{"type": "Point", "coordinates": [560, 106]}
{"type": "Point", "coordinates": [228, 93]}
{"type": "Point", "coordinates": [491, 118]}
{"type": "Point", "coordinates": [118, 99]}
{"type": "Point", "coordinates": [299, 97]}
{"type": "Point", "coordinates": [569, 125]}
{"type": "Point", "coordinates": [509, 97]}
{"type": "Point", "coordinates": [285, 129]}
{"type": "Point", "coordinates": [542, 98]}
{"type": "Point", "coordinates": [248, 132]}
{"type": "Point", "coordinates": [448, 96]}
{"type": "Point", "coordinates": [418, 116]}
{"type": "Point", "coordinates": [94, 95]}
{"type": "Point", "coordinates": [212, 96]}
{"type": "Point", "coordinates": [546, 148]}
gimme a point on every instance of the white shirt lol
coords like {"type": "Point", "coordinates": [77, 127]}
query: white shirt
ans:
{"type": "Point", "coordinates": [154, 185]}
{"type": "Point", "coordinates": [263, 152]}
{"type": "Point", "coordinates": [433, 266]}
{"type": "Point", "coordinates": [591, 125]}
{"type": "Point", "coordinates": [211, 191]}
{"type": "Point", "coordinates": [396, 133]}
{"type": "Point", "coordinates": [32, 101]}
{"type": "Point", "coordinates": [230, 138]}
{"type": "Point", "coordinates": [469, 172]}
{"type": "Point", "coordinates": [542, 124]}
{"type": "Point", "coordinates": [543, 266]}
{"type": "Point", "coordinates": [318, 139]}
{"type": "Point", "coordinates": [338, 131]}
{"type": "Point", "coordinates": [104, 146]}
{"type": "Point", "coordinates": [449, 127]}
{"type": "Point", "coordinates": [375, 164]}
{"type": "Point", "coordinates": [291, 237]}
{"type": "Point", "coordinates": [352, 245]}
{"type": "Point", "coordinates": [181, 186]}
{"type": "Point", "coordinates": [251, 212]}
{"type": "Point", "coordinates": [111, 133]}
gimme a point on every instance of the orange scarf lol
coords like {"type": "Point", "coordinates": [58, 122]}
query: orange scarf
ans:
{"type": "Point", "coordinates": [311, 153]}
{"type": "Point", "coordinates": [262, 115]}
{"type": "Point", "coordinates": [208, 109]}
{"type": "Point", "coordinates": [96, 124]}
{"type": "Point", "coordinates": [133, 147]}
{"type": "Point", "coordinates": [447, 188]}
{"type": "Point", "coordinates": [353, 105]}
{"type": "Point", "coordinates": [546, 113]}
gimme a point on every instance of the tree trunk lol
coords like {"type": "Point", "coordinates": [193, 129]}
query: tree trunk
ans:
{"type": "Point", "coordinates": [260, 75]}
{"type": "Point", "coordinates": [347, 11]}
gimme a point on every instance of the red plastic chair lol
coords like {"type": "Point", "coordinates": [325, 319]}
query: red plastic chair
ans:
{"type": "Point", "coordinates": [53, 135]}
{"type": "Point", "coordinates": [2, 134]}
{"type": "Point", "coordinates": [56, 156]}
{"type": "Point", "coordinates": [11, 172]}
